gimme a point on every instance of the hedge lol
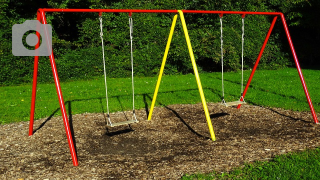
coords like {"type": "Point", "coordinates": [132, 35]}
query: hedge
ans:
{"type": "Point", "coordinates": [77, 43]}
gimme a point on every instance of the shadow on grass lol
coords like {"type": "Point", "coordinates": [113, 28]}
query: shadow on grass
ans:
{"type": "Point", "coordinates": [67, 104]}
{"type": "Point", "coordinates": [263, 90]}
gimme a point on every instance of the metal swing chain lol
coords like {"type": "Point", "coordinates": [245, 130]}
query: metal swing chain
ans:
{"type": "Point", "coordinates": [131, 49]}
{"type": "Point", "coordinates": [242, 46]}
{"type": "Point", "coordinates": [104, 68]}
{"type": "Point", "coordinates": [221, 37]}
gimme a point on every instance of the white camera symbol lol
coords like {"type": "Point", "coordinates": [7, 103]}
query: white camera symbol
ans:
{"type": "Point", "coordinates": [45, 31]}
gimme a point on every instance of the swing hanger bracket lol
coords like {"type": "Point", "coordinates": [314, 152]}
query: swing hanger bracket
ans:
{"type": "Point", "coordinates": [243, 16]}
{"type": "Point", "coordinates": [242, 99]}
{"type": "Point", "coordinates": [100, 14]}
{"type": "Point", "coordinates": [130, 14]}
{"type": "Point", "coordinates": [222, 100]}
{"type": "Point", "coordinates": [221, 15]}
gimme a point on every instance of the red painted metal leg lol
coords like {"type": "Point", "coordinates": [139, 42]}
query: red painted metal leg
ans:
{"type": "Point", "coordinates": [62, 106]}
{"type": "Point", "coordinates": [299, 69]}
{"type": "Point", "coordinates": [34, 84]}
{"type": "Point", "coordinates": [258, 59]}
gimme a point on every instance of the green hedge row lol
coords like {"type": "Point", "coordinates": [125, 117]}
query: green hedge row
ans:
{"type": "Point", "coordinates": [77, 44]}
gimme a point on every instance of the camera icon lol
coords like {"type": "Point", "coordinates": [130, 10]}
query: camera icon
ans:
{"type": "Point", "coordinates": [20, 30]}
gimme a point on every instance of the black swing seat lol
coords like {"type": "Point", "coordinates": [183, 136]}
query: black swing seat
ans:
{"type": "Point", "coordinates": [123, 123]}
{"type": "Point", "coordinates": [234, 103]}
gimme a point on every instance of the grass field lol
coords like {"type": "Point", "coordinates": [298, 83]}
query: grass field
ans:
{"type": "Point", "coordinates": [292, 166]}
{"type": "Point", "coordinates": [272, 88]}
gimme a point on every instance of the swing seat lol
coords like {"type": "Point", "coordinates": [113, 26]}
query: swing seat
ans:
{"type": "Point", "coordinates": [123, 123]}
{"type": "Point", "coordinates": [234, 103]}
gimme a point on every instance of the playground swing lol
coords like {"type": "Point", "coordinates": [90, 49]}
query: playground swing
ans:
{"type": "Point", "coordinates": [241, 99]}
{"type": "Point", "coordinates": [134, 118]}
{"type": "Point", "coordinates": [41, 17]}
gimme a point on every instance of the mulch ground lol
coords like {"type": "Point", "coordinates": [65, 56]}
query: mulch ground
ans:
{"type": "Point", "coordinates": [174, 143]}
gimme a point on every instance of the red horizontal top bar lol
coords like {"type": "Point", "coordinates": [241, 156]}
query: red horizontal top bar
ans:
{"type": "Point", "coordinates": [159, 11]}
{"type": "Point", "coordinates": [110, 10]}
{"type": "Point", "coordinates": [231, 12]}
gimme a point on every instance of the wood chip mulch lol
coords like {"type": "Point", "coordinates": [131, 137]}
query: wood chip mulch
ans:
{"type": "Point", "coordinates": [174, 143]}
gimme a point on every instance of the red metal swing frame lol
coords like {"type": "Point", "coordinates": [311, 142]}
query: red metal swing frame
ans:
{"type": "Point", "coordinates": [42, 18]}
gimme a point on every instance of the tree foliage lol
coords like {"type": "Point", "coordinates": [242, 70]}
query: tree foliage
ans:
{"type": "Point", "coordinates": [77, 43]}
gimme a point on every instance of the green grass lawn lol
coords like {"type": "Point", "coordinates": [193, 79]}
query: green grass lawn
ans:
{"type": "Point", "coordinates": [272, 88]}
{"type": "Point", "coordinates": [293, 166]}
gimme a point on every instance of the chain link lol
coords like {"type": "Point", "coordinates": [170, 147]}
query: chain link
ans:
{"type": "Point", "coordinates": [131, 51]}
{"type": "Point", "coordinates": [104, 68]}
{"type": "Point", "coordinates": [242, 47]}
{"type": "Point", "coordinates": [221, 38]}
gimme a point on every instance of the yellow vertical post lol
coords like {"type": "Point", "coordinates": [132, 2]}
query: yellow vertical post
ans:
{"type": "Point", "coordinates": [162, 66]}
{"type": "Point", "coordinates": [195, 69]}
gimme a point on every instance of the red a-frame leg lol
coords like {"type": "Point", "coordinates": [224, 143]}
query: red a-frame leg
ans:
{"type": "Point", "coordinates": [299, 69]}
{"type": "Point", "coordinates": [34, 84]}
{"type": "Point", "coordinates": [41, 15]}
{"type": "Point", "coordinates": [295, 60]}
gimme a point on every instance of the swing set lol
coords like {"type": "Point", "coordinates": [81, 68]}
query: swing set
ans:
{"type": "Point", "coordinates": [42, 18]}
{"type": "Point", "coordinates": [241, 100]}
{"type": "Point", "coordinates": [134, 118]}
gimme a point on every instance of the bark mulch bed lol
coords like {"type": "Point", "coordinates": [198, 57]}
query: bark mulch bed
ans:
{"type": "Point", "coordinates": [174, 143]}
